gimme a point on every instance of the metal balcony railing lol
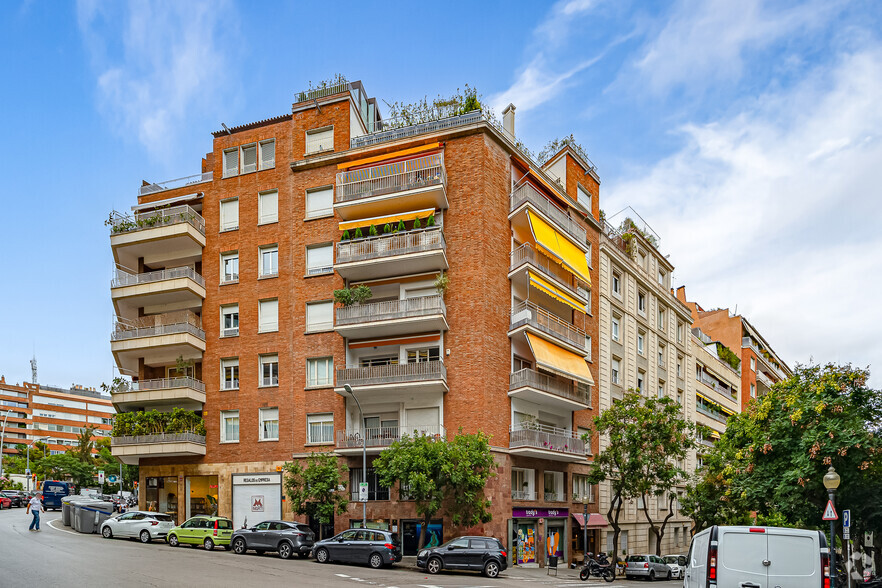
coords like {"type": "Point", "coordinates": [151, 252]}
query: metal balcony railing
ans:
{"type": "Point", "coordinates": [386, 436]}
{"type": "Point", "coordinates": [123, 278]}
{"type": "Point", "coordinates": [527, 193]}
{"type": "Point", "coordinates": [392, 374]}
{"type": "Point", "coordinates": [546, 438]}
{"type": "Point", "coordinates": [562, 387]}
{"type": "Point", "coordinates": [391, 177]}
{"type": "Point", "coordinates": [157, 218]}
{"type": "Point", "coordinates": [749, 342]}
{"type": "Point", "coordinates": [166, 384]}
{"type": "Point", "coordinates": [159, 438]}
{"type": "Point", "coordinates": [523, 495]}
{"type": "Point", "coordinates": [715, 384]}
{"type": "Point", "coordinates": [329, 90]}
{"type": "Point", "coordinates": [554, 496]}
{"type": "Point", "coordinates": [709, 413]}
{"type": "Point", "coordinates": [527, 313]}
{"type": "Point", "coordinates": [176, 183]}
{"type": "Point", "coordinates": [170, 323]}
{"type": "Point", "coordinates": [526, 253]}
{"type": "Point", "coordinates": [413, 124]}
{"type": "Point", "coordinates": [764, 379]}
{"type": "Point", "coordinates": [390, 310]}
{"type": "Point", "coordinates": [417, 241]}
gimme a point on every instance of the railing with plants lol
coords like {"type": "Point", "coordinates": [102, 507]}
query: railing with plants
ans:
{"type": "Point", "coordinates": [176, 183]}
{"type": "Point", "coordinates": [155, 424]}
{"type": "Point", "coordinates": [527, 193]}
{"type": "Point", "coordinates": [526, 253]}
{"type": "Point", "coordinates": [553, 147]}
{"type": "Point", "coordinates": [182, 321]}
{"type": "Point", "coordinates": [398, 176]}
{"type": "Point", "coordinates": [392, 374]}
{"type": "Point", "coordinates": [554, 496]}
{"type": "Point", "coordinates": [167, 384]}
{"type": "Point", "coordinates": [527, 313]}
{"type": "Point", "coordinates": [764, 356]}
{"type": "Point", "coordinates": [336, 85]}
{"type": "Point", "coordinates": [552, 384]}
{"type": "Point", "coordinates": [386, 436]}
{"type": "Point", "coordinates": [173, 215]}
{"type": "Point", "coordinates": [547, 438]}
{"type": "Point", "coordinates": [387, 245]}
{"type": "Point", "coordinates": [390, 310]}
{"type": "Point", "coordinates": [124, 278]}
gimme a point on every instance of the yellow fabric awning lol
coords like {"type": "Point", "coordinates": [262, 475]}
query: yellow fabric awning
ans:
{"type": "Point", "coordinates": [379, 221]}
{"type": "Point", "coordinates": [387, 156]}
{"type": "Point", "coordinates": [714, 435]}
{"type": "Point", "coordinates": [555, 292]}
{"type": "Point", "coordinates": [559, 248]}
{"type": "Point", "coordinates": [558, 360]}
{"type": "Point", "coordinates": [726, 411]}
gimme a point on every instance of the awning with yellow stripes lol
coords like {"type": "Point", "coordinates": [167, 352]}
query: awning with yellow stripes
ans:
{"type": "Point", "coordinates": [554, 292]}
{"type": "Point", "coordinates": [558, 360]}
{"type": "Point", "coordinates": [379, 221]}
{"type": "Point", "coordinates": [559, 248]}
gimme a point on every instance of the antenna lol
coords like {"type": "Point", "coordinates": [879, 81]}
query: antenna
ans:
{"type": "Point", "coordinates": [34, 369]}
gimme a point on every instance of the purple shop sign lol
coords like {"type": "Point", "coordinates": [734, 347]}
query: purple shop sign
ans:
{"type": "Point", "coordinates": [539, 513]}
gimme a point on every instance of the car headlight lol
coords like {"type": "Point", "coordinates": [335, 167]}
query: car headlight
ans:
{"type": "Point", "coordinates": [423, 553]}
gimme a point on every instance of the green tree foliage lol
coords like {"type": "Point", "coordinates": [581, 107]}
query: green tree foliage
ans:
{"type": "Point", "coordinates": [153, 422]}
{"type": "Point", "coordinates": [83, 449]}
{"type": "Point", "coordinates": [65, 466]}
{"type": "Point", "coordinates": [313, 489]}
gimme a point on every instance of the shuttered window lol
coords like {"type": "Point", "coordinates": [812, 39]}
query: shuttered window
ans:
{"type": "Point", "coordinates": [231, 162]}
{"type": "Point", "coordinates": [268, 207]}
{"type": "Point", "coordinates": [269, 315]}
{"type": "Point", "coordinates": [269, 424]}
{"type": "Point", "coordinates": [319, 316]}
{"type": "Point", "coordinates": [319, 259]}
{"type": "Point", "coordinates": [320, 202]}
{"type": "Point", "coordinates": [249, 158]}
{"type": "Point", "coordinates": [230, 214]}
{"type": "Point", "coordinates": [268, 154]}
{"type": "Point", "coordinates": [230, 426]}
{"type": "Point", "coordinates": [320, 140]}
{"type": "Point", "coordinates": [320, 371]}
{"type": "Point", "coordinates": [320, 428]}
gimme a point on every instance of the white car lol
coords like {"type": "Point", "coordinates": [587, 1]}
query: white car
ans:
{"type": "Point", "coordinates": [146, 526]}
{"type": "Point", "coordinates": [677, 563]}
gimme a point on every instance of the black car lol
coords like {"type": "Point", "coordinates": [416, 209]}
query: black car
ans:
{"type": "Point", "coordinates": [363, 546]}
{"type": "Point", "coordinates": [482, 554]}
{"type": "Point", "coordinates": [17, 499]}
{"type": "Point", "coordinates": [285, 537]}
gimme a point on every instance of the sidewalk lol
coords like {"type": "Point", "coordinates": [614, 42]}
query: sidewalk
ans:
{"type": "Point", "coordinates": [563, 572]}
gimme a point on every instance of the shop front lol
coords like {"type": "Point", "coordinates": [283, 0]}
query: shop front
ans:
{"type": "Point", "coordinates": [589, 529]}
{"type": "Point", "coordinates": [201, 495]}
{"type": "Point", "coordinates": [162, 495]}
{"type": "Point", "coordinates": [410, 535]}
{"type": "Point", "coordinates": [536, 532]}
{"type": "Point", "coordinates": [256, 498]}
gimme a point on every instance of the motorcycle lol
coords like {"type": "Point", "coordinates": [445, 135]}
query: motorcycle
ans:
{"type": "Point", "coordinates": [600, 567]}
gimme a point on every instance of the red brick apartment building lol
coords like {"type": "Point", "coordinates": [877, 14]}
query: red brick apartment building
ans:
{"type": "Point", "coordinates": [225, 301]}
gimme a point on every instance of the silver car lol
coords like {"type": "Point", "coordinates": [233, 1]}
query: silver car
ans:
{"type": "Point", "coordinates": [146, 526]}
{"type": "Point", "coordinates": [647, 566]}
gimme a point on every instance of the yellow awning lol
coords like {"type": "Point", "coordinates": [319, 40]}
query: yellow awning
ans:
{"type": "Point", "coordinates": [379, 221]}
{"type": "Point", "coordinates": [555, 292]}
{"type": "Point", "coordinates": [558, 360]}
{"type": "Point", "coordinates": [559, 248]}
{"type": "Point", "coordinates": [714, 435]}
{"type": "Point", "coordinates": [387, 156]}
{"type": "Point", "coordinates": [726, 411]}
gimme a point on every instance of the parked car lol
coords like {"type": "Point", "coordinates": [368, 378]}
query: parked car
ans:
{"type": "Point", "coordinates": [146, 526]}
{"type": "Point", "coordinates": [758, 556]}
{"type": "Point", "coordinates": [364, 546]}
{"type": "Point", "coordinates": [647, 566]}
{"type": "Point", "coordinates": [285, 537]}
{"type": "Point", "coordinates": [15, 497]}
{"type": "Point", "coordinates": [53, 492]}
{"type": "Point", "coordinates": [480, 554]}
{"type": "Point", "coordinates": [202, 530]}
{"type": "Point", "coordinates": [5, 502]}
{"type": "Point", "coordinates": [677, 563]}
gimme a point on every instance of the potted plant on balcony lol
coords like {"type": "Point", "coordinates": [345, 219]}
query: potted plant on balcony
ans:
{"type": "Point", "coordinates": [345, 236]}
{"type": "Point", "coordinates": [387, 228]}
{"type": "Point", "coordinates": [373, 231]}
{"type": "Point", "coordinates": [442, 283]}
{"type": "Point", "coordinates": [358, 234]}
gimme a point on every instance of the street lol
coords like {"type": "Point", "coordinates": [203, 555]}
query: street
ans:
{"type": "Point", "coordinates": [58, 556]}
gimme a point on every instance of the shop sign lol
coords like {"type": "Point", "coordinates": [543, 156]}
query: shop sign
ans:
{"type": "Point", "coordinates": [538, 513]}
{"type": "Point", "coordinates": [257, 503]}
{"type": "Point", "coordinates": [252, 479]}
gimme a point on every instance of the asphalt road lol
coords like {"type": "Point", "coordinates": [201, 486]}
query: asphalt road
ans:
{"type": "Point", "coordinates": [58, 556]}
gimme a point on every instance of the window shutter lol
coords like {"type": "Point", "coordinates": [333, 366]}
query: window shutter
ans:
{"type": "Point", "coordinates": [230, 214]}
{"type": "Point", "coordinates": [268, 202]}
{"type": "Point", "coordinates": [268, 154]}
{"type": "Point", "coordinates": [269, 315]}
{"type": "Point", "coordinates": [231, 162]}
{"type": "Point", "coordinates": [320, 141]}
{"type": "Point", "coordinates": [319, 259]}
{"type": "Point", "coordinates": [319, 202]}
{"type": "Point", "coordinates": [249, 159]}
{"type": "Point", "coordinates": [319, 316]}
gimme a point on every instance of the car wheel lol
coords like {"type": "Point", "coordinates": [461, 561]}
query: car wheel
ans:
{"type": "Point", "coordinates": [144, 536]}
{"type": "Point", "coordinates": [173, 540]}
{"type": "Point", "coordinates": [491, 569]}
{"type": "Point", "coordinates": [208, 544]}
{"type": "Point", "coordinates": [239, 546]}
{"type": "Point", "coordinates": [434, 565]}
{"type": "Point", "coordinates": [106, 533]}
{"type": "Point", "coordinates": [376, 561]}
{"type": "Point", "coordinates": [322, 555]}
{"type": "Point", "coordinates": [652, 575]}
{"type": "Point", "coordinates": [285, 550]}
{"type": "Point", "coordinates": [669, 575]}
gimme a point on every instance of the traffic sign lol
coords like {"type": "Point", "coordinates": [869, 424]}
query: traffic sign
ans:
{"type": "Point", "coordinates": [846, 518]}
{"type": "Point", "coordinates": [363, 492]}
{"type": "Point", "coordinates": [846, 532]}
{"type": "Point", "coordinates": [111, 479]}
{"type": "Point", "coordinates": [830, 512]}
{"type": "Point", "coordinates": [100, 476]}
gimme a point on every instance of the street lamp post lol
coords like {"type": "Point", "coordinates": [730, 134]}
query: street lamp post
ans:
{"type": "Point", "coordinates": [831, 482]}
{"type": "Point", "coordinates": [28, 467]}
{"type": "Point", "coordinates": [585, 527]}
{"type": "Point", "coordinates": [348, 389]}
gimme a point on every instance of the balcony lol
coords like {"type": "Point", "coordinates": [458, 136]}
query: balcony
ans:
{"type": "Point", "coordinates": [764, 379]}
{"type": "Point", "coordinates": [176, 183]}
{"type": "Point", "coordinates": [552, 391]}
{"type": "Point", "coordinates": [543, 442]}
{"type": "Point", "coordinates": [181, 286]}
{"type": "Point", "coordinates": [417, 123]}
{"type": "Point", "coordinates": [375, 440]}
{"type": "Point", "coordinates": [160, 394]}
{"type": "Point", "coordinates": [528, 316]}
{"type": "Point", "coordinates": [422, 377]}
{"type": "Point", "coordinates": [157, 339]}
{"type": "Point", "coordinates": [131, 449]}
{"type": "Point", "coordinates": [412, 184]}
{"type": "Point", "coordinates": [526, 256]}
{"type": "Point", "coordinates": [526, 196]}
{"type": "Point", "coordinates": [159, 237]}
{"type": "Point", "coordinates": [554, 496]}
{"type": "Point", "coordinates": [392, 317]}
{"type": "Point", "coordinates": [716, 385]}
{"type": "Point", "coordinates": [413, 252]}
{"type": "Point", "coordinates": [523, 495]}
{"type": "Point", "coordinates": [772, 368]}
{"type": "Point", "coordinates": [719, 417]}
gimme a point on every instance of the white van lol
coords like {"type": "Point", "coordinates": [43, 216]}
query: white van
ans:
{"type": "Point", "coordinates": [757, 557]}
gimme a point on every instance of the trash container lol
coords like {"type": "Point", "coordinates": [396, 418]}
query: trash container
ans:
{"type": "Point", "coordinates": [103, 511]}
{"type": "Point", "coordinates": [65, 510]}
{"type": "Point", "coordinates": [84, 516]}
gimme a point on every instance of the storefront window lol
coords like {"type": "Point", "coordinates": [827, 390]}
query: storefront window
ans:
{"type": "Point", "coordinates": [162, 495]}
{"type": "Point", "coordinates": [379, 524]}
{"type": "Point", "coordinates": [202, 492]}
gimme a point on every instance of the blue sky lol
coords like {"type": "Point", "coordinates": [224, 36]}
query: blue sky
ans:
{"type": "Point", "coordinates": [746, 132]}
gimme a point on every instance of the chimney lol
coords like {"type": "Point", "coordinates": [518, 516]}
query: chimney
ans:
{"type": "Point", "coordinates": [508, 121]}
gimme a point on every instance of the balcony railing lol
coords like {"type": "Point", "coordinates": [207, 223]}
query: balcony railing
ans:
{"type": "Point", "coordinates": [764, 379]}
{"type": "Point", "coordinates": [527, 313]}
{"type": "Point", "coordinates": [523, 495]}
{"type": "Point", "coordinates": [527, 193]}
{"type": "Point", "coordinates": [526, 253]}
{"type": "Point", "coordinates": [749, 342]}
{"type": "Point", "coordinates": [390, 310]}
{"type": "Point", "coordinates": [558, 386]}
{"type": "Point", "coordinates": [546, 438]}
{"type": "Point", "coordinates": [391, 177]}
{"type": "Point", "coordinates": [716, 385]}
{"type": "Point", "coordinates": [159, 438]}
{"type": "Point", "coordinates": [157, 218]}
{"type": "Point", "coordinates": [176, 183]}
{"type": "Point", "coordinates": [386, 436]}
{"type": "Point", "coordinates": [413, 124]}
{"type": "Point", "coordinates": [166, 384]}
{"type": "Point", "coordinates": [714, 415]}
{"type": "Point", "coordinates": [706, 442]}
{"type": "Point", "coordinates": [123, 278]}
{"type": "Point", "coordinates": [392, 374]}
{"type": "Point", "coordinates": [417, 241]}
{"type": "Point", "coordinates": [554, 496]}
{"type": "Point", "coordinates": [159, 324]}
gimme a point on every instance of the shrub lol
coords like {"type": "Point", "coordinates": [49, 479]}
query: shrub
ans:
{"type": "Point", "coordinates": [358, 234]}
{"type": "Point", "coordinates": [361, 294]}
{"type": "Point", "coordinates": [387, 228]}
{"type": "Point", "coordinates": [345, 236]}
{"type": "Point", "coordinates": [401, 226]}
{"type": "Point", "coordinates": [372, 231]}
{"type": "Point", "coordinates": [416, 224]}
{"type": "Point", "coordinates": [430, 222]}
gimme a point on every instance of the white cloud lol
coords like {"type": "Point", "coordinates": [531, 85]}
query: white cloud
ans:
{"type": "Point", "coordinates": [776, 210]}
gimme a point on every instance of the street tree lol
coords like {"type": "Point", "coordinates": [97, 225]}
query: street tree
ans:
{"type": "Point", "coordinates": [84, 446]}
{"type": "Point", "coordinates": [314, 489]}
{"type": "Point", "coordinates": [65, 466]}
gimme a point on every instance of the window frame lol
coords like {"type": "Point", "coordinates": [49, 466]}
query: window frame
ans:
{"type": "Point", "coordinates": [323, 327]}
{"type": "Point", "coordinates": [318, 131]}
{"type": "Point", "coordinates": [260, 214]}
{"type": "Point", "coordinates": [223, 312]}
{"type": "Point", "coordinates": [321, 212]}
{"type": "Point", "coordinates": [224, 415]}
{"type": "Point", "coordinates": [260, 318]}
{"type": "Point", "coordinates": [329, 363]}
{"type": "Point", "coordinates": [224, 168]}
{"type": "Point", "coordinates": [321, 419]}
{"type": "Point", "coordinates": [242, 148]}
{"type": "Point", "coordinates": [224, 364]}
{"type": "Point", "coordinates": [615, 372]}
{"type": "Point", "coordinates": [260, 158]}
{"type": "Point", "coordinates": [223, 224]}
{"type": "Point", "coordinates": [228, 256]}
{"type": "Point", "coordinates": [261, 420]}
{"type": "Point", "coordinates": [323, 270]}
{"type": "Point", "coordinates": [616, 284]}
{"type": "Point", "coordinates": [261, 251]}
{"type": "Point", "coordinates": [264, 359]}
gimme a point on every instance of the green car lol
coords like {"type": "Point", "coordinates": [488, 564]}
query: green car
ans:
{"type": "Point", "coordinates": [202, 530]}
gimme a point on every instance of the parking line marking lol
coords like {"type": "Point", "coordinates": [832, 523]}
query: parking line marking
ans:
{"type": "Point", "coordinates": [49, 524]}
{"type": "Point", "coordinates": [342, 575]}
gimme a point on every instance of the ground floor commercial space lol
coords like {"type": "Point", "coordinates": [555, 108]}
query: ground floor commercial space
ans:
{"type": "Point", "coordinates": [638, 538]}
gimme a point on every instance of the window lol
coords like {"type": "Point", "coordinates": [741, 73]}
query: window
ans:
{"type": "Point", "coordinates": [641, 302]}
{"type": "Point", "coordinates": [680, 330]}
{"type": "Point", "coordinates": [615, 328]}
{"type": "Point", "coordinates": [662, 502]}
{"type": "Point", "coordinates": [319, 259]}
{"type": "Point", "coordinates": [588, 254]}
{"type": "Point", "coordinates": [661, 389]}
{"type": "Point", "coordinates": [375, 491]}
{"type": "Point", "coordinates": [553, 488]}
{"type": "Point", "coordinates": [753, 364]}
{"type": "Point", "coordinates": [268, 154]}
{"type": "Point", "coordinates": [640, 378]}
{"type": "Point", "coordinates": [661, 319]}
{"type": "Point", "coordinates": [231, 162]}
{"type": "Point", "coordinates": [661, 278]}
{"type": "Point", "coordinates": [623, 541]}
{"type": "Point", "coordinates": [230, 373]}
{"type": "Point", "coordinates": [522, 484]}
{"type": "Point", "coordinates": [268, 207]}
{"type": "Point", "coordinates": [753, 390]}
{"type": "Point", "coordinates": [269, 424]}
{"type": "Point", "coordinates": [680, 397]}
{"type": "Point", "coordinates": [269, 370]}
{"type": "Point", "coordinates": [661, 356]}
{"type": "Point", "coordinates": [318, 140]}
{"type": "Point", "coordinates": [230, 426]}
{"type": "Point", "coordinates": [582, 488]}
{"type": "Point", "coordinates": [230, 267]}
{"type": "Point", "coordinates": [229, 214]}
{"type": "Point", "coordinates": [268, 315]}
{"type": "Point", "coordinates": [320, 428]}
{"type": "Point", "coordinates": [617, 284]}
{"type": "Point", "coordinates": [679, 366]}
{"type": "Point", "coordinates": [584, 197]}
{"type": "Point", "coordinates": [249, 158]}
{"type": "Point", "coordinates": [230, 320]}
{"type": "Point", "coordinates": [320, 371]}
{"type": "Point", "coordinates": [320, 202]}
{"type": "Point", "coordinates": [423, 355]}
{"type": "Point", "coordinates": [616, 367]}
{"type": "Point", "coordinates": [588, 347]}
{"type": "Point", "coordinates": [641, 337]}
{"type": "Point", "coordinates": [319, 316]}
{"type": "Point", "coordinates": [269, 261]}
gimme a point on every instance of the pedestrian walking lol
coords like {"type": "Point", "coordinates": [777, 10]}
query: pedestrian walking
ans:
{"type": "Point", "coordinates": [35, 506]}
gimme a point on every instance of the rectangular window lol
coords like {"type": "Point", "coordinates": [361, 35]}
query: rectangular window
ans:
{"type": "Point", "coordinates": [753, 390]}
{"type": "Point", "coordinates": [268, 207]}
{"type": "Point", "coordinates": [680, 397]}
{"type": "Point", "coordinates": [623, 541]}
{"type": "Point", "coordinates": [423, 355]}
{"type": "Point", "coordinates": [320, 428]}
{"type": "Point", "coordinates": [230, 426]}
{"type": "Point", "coordinates": [230, 267]}
{"type": "Point", "coordinates": [268, 315]}
{"type": "Point", "coordinates": [661, 278]}
{"type": "Point", "coordinates": [582, 432]}
{"type": "Point", "coordinates": [522, 484]}
{"type": "Point", "coordinates": [753, 364]}
{"type": "Point", "coordinates": [269, 424]}
{"type": "Point", "coordinates": [319, 316]}
{"type": "Point", "coordinates": [588, 255]}
{"type": "Point", "coordinates": [269, 370]}
{"type": "Point", "coordinates": [230, 320]}
{"type": "Point", "coordinates": [318, 140]}
{"type": "Point", "coordinates": [553, 488]}
{"type": "Point", "coordinates": [661, 356]}
{"type": "Point", "coordinates": [320, 202]}
{"type": "Point", "coordinates": [641, 337]}
{"type": "Point", "coordinates": [617, 284]}
{"type": "Point", "coordinates": [679, 366]}
{"type": "Point", "coordinates": [229, 214]}
{"type": "Point", "coordinates": [230, 373]}
{"type": "Point", "coordinates": [231, 162]}
{"type": "Point", "coordinates": [680, 330]}
{"type": "Point", "coordinates": [268, 154]}
{"type": "Point", "coordinates": [661, 389]}
{"type": "Point", "coordinates": [615, 328]}
{"type": "Point", "coordinates": [584, 197]}
{"type": "Point", "coordinates": [320, 372]}
{"type": "Point", "coordinates": [616, 367]}
{"type": "Point", "coordinates": [269, 261]}
{"type": "Point", "coordinates": [661, 319]}
{"type": "Point", "coordinates": [375, 490]}
{"type": "Point", "coordinates": [249, 158]}
{"type": "Point", "coordinates": [319, 259]}
{"type": "Point", "coordinates": [640, 380]}
{"type": "Point", "coordinates": [641, 302]}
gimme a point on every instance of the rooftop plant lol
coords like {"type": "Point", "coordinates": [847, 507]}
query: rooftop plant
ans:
{"type": "Point", "coordinates": [152, 422]}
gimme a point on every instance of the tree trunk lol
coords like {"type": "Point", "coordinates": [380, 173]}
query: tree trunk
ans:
{"type": "Point", "coordinates": [424, 532]}
{"type": "Point", "coordinates": [658, 531]}
{"type": "Point", "coordinates": [615, 506]}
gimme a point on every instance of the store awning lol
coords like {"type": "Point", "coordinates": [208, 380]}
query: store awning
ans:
{"type": "Point", "coordinates": [379, 221]}
{"type": "Point", "coordinates": [594, 520]}
{"type": "Point", "coordinates": [554, 292]}
{"type": "Point", "coordinates": [559, 248]}
{"type": "Point", "coordinates": [558, 360]}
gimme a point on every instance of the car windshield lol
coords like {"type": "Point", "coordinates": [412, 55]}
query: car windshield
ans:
{"type": "Point", "coordinates": [672, 559]}
{"type": "Point", "coordinates": [224, 524]}
{"type": "Point", "coordinates": [636, 558]}
{"type": "Point", "coordinates": [162, 517]}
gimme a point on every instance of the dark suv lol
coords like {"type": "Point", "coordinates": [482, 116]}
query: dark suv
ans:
{"type": "Point", "coordinates": [286, 537]}
{"type": "Point", "coordinates": [482, 554]}
{"type": "Point", "coordinates": [363, 546]}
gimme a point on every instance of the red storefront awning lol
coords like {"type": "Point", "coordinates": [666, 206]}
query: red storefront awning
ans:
{"type": "Point", "coordinates": [594, 520]}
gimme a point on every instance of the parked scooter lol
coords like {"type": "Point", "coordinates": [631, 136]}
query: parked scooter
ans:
{"type": "Point", "coordinates": [600, 567]}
